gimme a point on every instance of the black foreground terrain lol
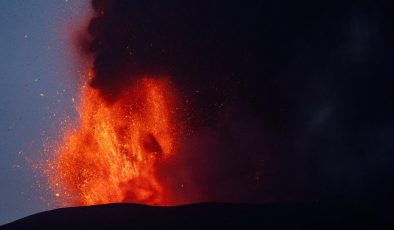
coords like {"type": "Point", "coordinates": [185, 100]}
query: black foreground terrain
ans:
{"type": "Point", "coordinates": [210, 216]}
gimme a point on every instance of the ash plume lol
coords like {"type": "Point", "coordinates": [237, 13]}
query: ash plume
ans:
{"type": "Point", "coordinates": [290, 100]}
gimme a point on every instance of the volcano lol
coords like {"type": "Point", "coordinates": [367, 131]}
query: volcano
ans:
{"type": "Point", "coordinates": [210, 216]}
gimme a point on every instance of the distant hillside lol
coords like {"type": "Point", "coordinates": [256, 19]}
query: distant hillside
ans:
{"type": "Point", "coordinates": [209, 216]}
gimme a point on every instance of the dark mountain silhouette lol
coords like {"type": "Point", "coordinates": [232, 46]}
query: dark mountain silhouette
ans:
{"type": "Point", "coordinates": [210, 216]}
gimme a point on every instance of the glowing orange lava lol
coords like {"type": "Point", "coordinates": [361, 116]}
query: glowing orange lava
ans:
{"type": "Point", "coordinates": [112, 155]}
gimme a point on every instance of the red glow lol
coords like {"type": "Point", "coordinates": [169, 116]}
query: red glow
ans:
{"type": "Point", "coordinates": [112, 156]}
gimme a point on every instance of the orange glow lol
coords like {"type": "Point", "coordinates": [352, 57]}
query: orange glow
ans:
{"type": "Point", "coordinates": [112, 156]}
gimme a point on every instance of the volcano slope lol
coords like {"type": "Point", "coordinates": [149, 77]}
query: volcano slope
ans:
{"type": "Point", "coordinates": [210, 216]}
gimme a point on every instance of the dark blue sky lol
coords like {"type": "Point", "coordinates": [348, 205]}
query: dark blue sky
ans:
{"type": "Point", "coordinates": [37, 79]}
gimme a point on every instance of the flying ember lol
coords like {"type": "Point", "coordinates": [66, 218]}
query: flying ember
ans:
{"type": "Point", "coordinates": [113, 154]}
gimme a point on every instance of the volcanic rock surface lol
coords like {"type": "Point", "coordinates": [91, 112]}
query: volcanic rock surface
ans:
{"type": "Point", "coordinates": [210, 216]}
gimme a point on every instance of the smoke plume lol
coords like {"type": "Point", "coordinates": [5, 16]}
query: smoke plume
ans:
{"type": "Point", "coordinates": [286, 100]}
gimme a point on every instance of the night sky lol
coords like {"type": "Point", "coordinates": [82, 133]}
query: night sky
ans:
{"type": "Point", "coordinates": [37, 79]}
{"type": "Point", "coordinates": [289, 101]}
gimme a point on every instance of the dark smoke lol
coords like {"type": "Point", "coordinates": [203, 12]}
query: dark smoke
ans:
{"type": "Point", "coordinates": [291, 100]}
